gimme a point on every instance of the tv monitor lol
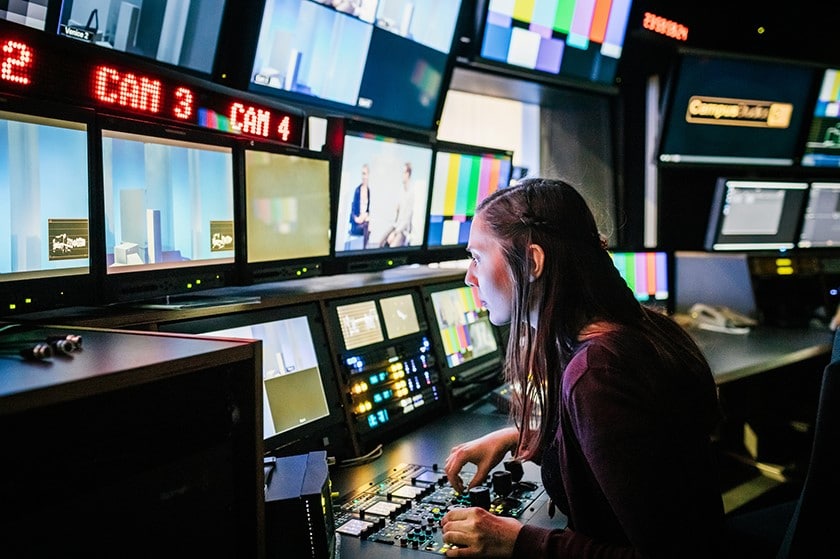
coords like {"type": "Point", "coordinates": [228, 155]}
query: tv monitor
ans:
{"type": "Point", "coordinates": [168, 206]}
{"type": "Point", "coordinates": [647, 274]}
{"type": "Point", "coordinates": [821, 221]}
{"type": "Point", "coordinates": [45, 173]}
{"type": "Point", "coordinates": [463, 176]}
{"type": "Point", "coordinates": [287, 213]}
{"type": "Point", "coordinates": [466, 342]}
{"type": "Point", "coordinates": [182, 35]}
{"type": "Point", "coordinates": [387, 218]}
{"type": "Point", "coordinates": [721, 278]}
{"type": "Point", "coordinates": [728, 110]}
{"type": "Point", "coordinates": [31, 13]}
{"type": "Point", "coordinates": [385, 61]}
{"type": "Point", "coordinates": [755, 215]}
{"type": "Point", "coordinates": [822, 148]}
{"type": "Point", "coordinates": [302, 408]}
{"type": "Point", "coordinates": [574, 43]}
{"type": "Point", "coordinates": [387, 366]}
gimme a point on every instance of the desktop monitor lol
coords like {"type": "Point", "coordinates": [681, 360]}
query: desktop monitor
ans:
{"type": "Point", "coordinates": [466, 342]}
{"type": "Point", "coordinates": [571, 43]}
{"type": "Point", "coordinates": [726, 110]}
{"type": "Point", "coordinates": [45, 236]}
{"type": "Point", "coordinates": [385, 221]}
{"type": "Point", "coordinates": [168, 210]}
{"type": "Point", "coordinates": [821, 221]}
{"type": "Point", "coordinates": [647, 274]}
{"type": "Point", "coordinates": [287, 213]}
{"type": "Point", "coordinates": [822, 147]}
{"type": "Point", "coordinates": [386, 60]}
{"type": "Point", "coordinates": [387, 366]}
{"type": "Point", "coordinates": [755, 214]}
{"type": "Point", "coordinates": [721, 278]}
{"type": "Point", "coordinates": [182, 35]}
{"type": "Point", "coordinates": [302, 409]}
{"type": "Point", "coordinates": [463, 176]}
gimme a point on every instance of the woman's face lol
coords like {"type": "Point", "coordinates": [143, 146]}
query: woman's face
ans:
{"type": "Point", "coordinates": [488, 271]}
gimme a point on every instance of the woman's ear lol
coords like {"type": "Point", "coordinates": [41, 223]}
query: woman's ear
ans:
{"type": "Point", "coordinates": [537, 260]}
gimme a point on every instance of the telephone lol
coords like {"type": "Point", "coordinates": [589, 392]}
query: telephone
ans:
{"type": "Point", "coordinates": [720, 319]}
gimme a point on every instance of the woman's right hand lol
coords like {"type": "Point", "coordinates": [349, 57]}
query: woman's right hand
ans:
{"type": "Point", "coordinates": [485, 452]}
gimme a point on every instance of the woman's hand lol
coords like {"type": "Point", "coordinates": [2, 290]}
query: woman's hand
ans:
{"type": "Point", "coordinates": [477, 532]}
{"type": "Point", "coordinates": [485, 452]}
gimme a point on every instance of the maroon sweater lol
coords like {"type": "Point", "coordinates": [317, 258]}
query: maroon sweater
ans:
{"type": "Point", "coordinates": [631, 464]}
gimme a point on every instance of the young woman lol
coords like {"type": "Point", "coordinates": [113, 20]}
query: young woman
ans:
{"type": "Point", "coordinates": [616, 402]}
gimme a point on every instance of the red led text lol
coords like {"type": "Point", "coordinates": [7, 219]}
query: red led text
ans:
{"type": "Point", "coordinates": [17, 62]}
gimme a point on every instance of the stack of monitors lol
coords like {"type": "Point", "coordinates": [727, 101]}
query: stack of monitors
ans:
{"type": "Point", "coordinates": [383, 60]}
{"type": "Point", "coordinates": [755, 214]}
{"type": "Point", "coordinates": [647, 274]}
{"type": "Point", "coordinates": [387, 367]}
{"type": "Point", "coordinates": [302, 409]}
{"type": "Point", "coordinates": [382, 200]}
{"type": "Point", "coordinates": [464, 175]}
{"type": "Point", "coordinates": [287, 213]}
{"type": "Point", "coordinates": [821, 221]}
{"type": "Point", "coordinates": [168, 206]}
{"type": "Point", "coordinates": [572, 42]}
{"type": "Point", "coordinates": [467, 342]}
{"type": "Point", "coordinates": [45, 234]}
{"type": "Point", "coordinates": [822, 148]}
{"type": "Point", "coordinates": [183, 35]}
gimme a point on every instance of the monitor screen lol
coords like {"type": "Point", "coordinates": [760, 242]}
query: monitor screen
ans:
{"type": "Point", "coordinates": [168, 206]}
{"type": "Point", "coordinates": [739, 111]}
{"type": "Point", "coordinates": [574, 42]}
{"type": "Point", "coordinates": [387, 60]}
{"type": "Point", "coordinates": [647, 275]}
{"type": "Point", "coordinates": [179, 34]}
{"type": "Point", "coordinates": [463, 177]}
{"type": "Point", "coordinates": [755, 214]}
{"type": "Point", "coordinates": [287, 213]}
{"type": "Point", "coordinates": [301, 403]}
{"type": "Point", "coordinates": [44, 193]}
{"type": "Point", "coordinates": [31, 13]}
{"type": "Point", "coordinates": [821, 222]}
{"type": "Point", "coordinates": [383, 194]}
{"type": "Point", "coordinates": [822, 148]}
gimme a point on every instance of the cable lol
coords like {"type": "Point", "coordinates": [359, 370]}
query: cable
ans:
{"type": "Point", "coordinates": [369, 457]}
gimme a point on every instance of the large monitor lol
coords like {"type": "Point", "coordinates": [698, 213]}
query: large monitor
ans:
{"type": "Point", "coordinates": [168, 205]}
{"type": "Point", "coordinates": [385, 60]}
{"type": "Point", "coordinates": [755, 214]}
{"type": "Point", "coordinates": [302, 409]}
{"type": "Point", "coordinates": [576, 43]}
{"type": "Point", "coordinates": [721, 109]}
{"type": "Point", "coordinates": [822, 147]}
{"type": "Point", "coordinates": [821, 221]}
{"type": "Point", "coordinates": [648, 275]}
{"type": "Point", "coordinates": [383, 196]}
{"type": "Point", "coordinates": [467, 344]}
{"type": "Point", "coordinates": [45, 240]}
{"type": "Point", "coordinates": [463, 176]}
{"type": "Point", "coordinates": [286, 201]}
{"type": "Point", "coordinates": [183, 35]}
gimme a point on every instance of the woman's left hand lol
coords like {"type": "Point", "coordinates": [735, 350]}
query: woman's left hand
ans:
{"type": "Point", "coordinates": [477, 532]}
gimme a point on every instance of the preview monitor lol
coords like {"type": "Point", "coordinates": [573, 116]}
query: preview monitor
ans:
{"type": "Point", "coordinates": [45, 237]}
{"type": "Point", "coordinates": [821, 221]}
{"type": "Point", "coordinates": [287, 212]}
{"type": "Point", "coordinates": [463, 176]}
{"type": "Point", "coordinates": [755, 215]}
{"type": "Point", "coordinates": [302, 410]}
{"type": "Point", "coordinates": [822, 147]}
{"type": "Point", "coordinates": [647, 274]}
{"type": "Point", "coordinates": [728, 110]}
{"type": "Point", "coordinates": [168, 210]}
{"type": "Point", "coordinates": [31, 13]}
{"type": "Point", "coordinates": [385, 60]}
{"type": "Point", "coordinates": [184, 35]}
{"type": "Point", "coordinates": [383, 195]}
{"type": "Point", "coordinates": [573, 42]}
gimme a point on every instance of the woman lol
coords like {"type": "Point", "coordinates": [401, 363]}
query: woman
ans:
{"type": "Point", "coordinates": [616, 402]}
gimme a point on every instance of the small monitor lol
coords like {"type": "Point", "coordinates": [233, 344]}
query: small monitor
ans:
{"type": "Point", "coordinates": [45, 240]}
{"type": "Point", "coordinates": [463, 176]}
{"type": "Point", "coordinates": [287, 213]}
{"type": "Point", "coordinates": [383, 195]}
{"type": "Point", "coordinates": [755, 214]}
{"type": "Point", "coordinates": [822, 147]}
{"type": "Point", "coordinates": [183, 35]}
{"type": "Point", "coordinates": [31, 13]}
{"type": "Point", "coordinates": [647, 274]}
{"type": "Point", "coordinates": [821, 222]}
{"type": "Point", "coordinates": [169, 210]}
{"type": "Point", "coordinates": [721, 278]}
{"type": "Point", "coordinates": [301, 403]}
